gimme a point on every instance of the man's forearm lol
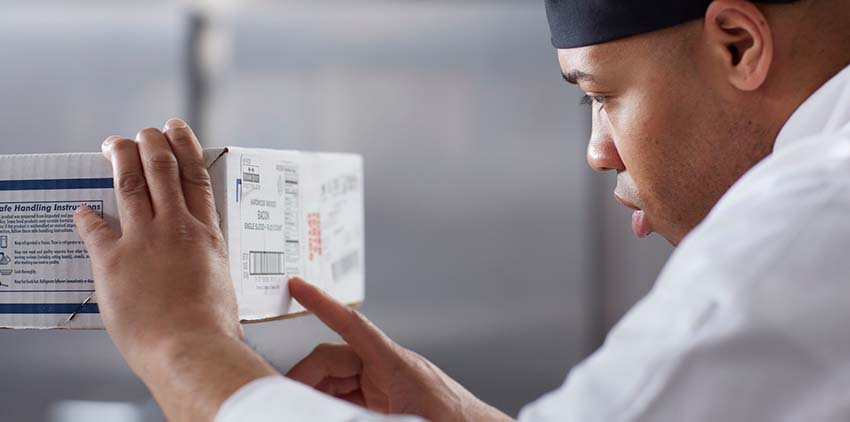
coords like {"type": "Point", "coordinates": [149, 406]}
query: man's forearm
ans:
{"type": "Point", "coordinates": [190, 377]}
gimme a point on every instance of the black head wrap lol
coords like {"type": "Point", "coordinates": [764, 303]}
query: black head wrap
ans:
{"type": "Point", "coordinates": [578, 23]}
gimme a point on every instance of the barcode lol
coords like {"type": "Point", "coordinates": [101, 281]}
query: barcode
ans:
{"type": "Point", "coordinates": [266, 263]}
{"type": "Point", "coordinates": [348, 263]}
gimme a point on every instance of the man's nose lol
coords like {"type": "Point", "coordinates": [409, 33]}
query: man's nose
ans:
{"type": "Point", "coordinates": [602, 154]}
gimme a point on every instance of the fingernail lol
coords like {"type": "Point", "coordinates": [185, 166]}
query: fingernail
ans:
{"type": "Point", "coordinates": [108, 141]}
{"type": "Point", "coordinates": [147, 129]}
{"type": "Point", "coordinates": [81, 209]}
{"type": "Point", "coordinates": [175, 124]}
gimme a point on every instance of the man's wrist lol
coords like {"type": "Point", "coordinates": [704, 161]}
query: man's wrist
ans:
{"type": "Point", "coordinates": [208, 367]}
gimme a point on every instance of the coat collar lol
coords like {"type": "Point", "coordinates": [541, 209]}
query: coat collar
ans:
{"type": "Point", "coordinates": [826, 110]}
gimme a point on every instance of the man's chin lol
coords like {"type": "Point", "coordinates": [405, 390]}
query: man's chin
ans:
{"type": "Point", "coordinates": [674, 237]}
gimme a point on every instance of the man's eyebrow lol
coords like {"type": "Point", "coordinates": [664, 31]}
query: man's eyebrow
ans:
{"type": "Point", "coordinates": [576, 75]}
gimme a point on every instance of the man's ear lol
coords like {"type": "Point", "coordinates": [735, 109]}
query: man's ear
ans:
{"type": "Point", "coordinates": [739, 36]}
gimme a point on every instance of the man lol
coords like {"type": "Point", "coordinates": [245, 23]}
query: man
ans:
{"type": "Point", "coordinates": [728, 124]}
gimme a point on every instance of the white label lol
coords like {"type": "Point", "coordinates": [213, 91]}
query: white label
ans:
{"type": "Point", "coordinates": [270, 219]}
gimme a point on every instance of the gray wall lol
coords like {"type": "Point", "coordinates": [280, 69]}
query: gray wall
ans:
{"type": "Point", "coordinates": [491, 248]}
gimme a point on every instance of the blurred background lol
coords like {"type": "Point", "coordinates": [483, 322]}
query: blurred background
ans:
{"type": "Point", "coordinates": [492, 249]}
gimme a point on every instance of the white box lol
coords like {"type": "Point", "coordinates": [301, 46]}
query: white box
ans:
{"type": "Point", "coordinates": [283, 213]}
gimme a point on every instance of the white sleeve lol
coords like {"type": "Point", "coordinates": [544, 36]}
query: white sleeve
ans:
{"type": "Point", "coordinates": [276, 399]}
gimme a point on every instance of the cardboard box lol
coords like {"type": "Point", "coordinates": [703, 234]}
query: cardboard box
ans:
{"type": "Point", "coordinates": [283, 213]}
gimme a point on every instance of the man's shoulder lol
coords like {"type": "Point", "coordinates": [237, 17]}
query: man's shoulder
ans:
{"type": "Point", "coordinates": [804, 175]}
{"type": "Point", "coordinates": [732, 312]}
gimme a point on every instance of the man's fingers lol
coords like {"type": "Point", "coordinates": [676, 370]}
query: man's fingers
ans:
{"type": "Point", "coordinates": [193, 170]}
{"type": "Point", "coordinates": [377, 400]}
{"type": "Point", "coordinates": [161, 171]}
{"type": "Point", "coordinates": [326, 361]}
{"type": "Point", "coordinates": [366, 339]}
{"type": "Point", "coordinates": [94, 231]}
{"type": "Point", "coordinates": [339, 386]}
{"type": "Point", "coordinates": [131, 190]}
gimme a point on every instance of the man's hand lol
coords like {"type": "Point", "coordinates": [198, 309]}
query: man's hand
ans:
{"type": "Point", "coordinates": [375, 372]}
{"type": "Point", "coordinates": [163, 285]}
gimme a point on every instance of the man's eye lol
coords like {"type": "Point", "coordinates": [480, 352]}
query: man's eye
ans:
{"type": "Point", "coordinates": [587, 99]}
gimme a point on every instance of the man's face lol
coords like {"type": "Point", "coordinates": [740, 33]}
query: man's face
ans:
{"type": "Point", "coordinates": [667, 123]}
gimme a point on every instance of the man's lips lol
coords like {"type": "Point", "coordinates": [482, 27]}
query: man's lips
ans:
{"type": "Point", "coordinates": [640, 224]}
{"type": "Point", "coordinates": [625, 202]}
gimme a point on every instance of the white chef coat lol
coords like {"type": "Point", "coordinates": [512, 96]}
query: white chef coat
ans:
{"type": "Point", "coordinates": [748, 321]}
